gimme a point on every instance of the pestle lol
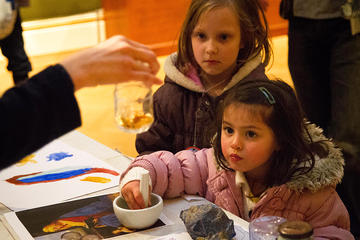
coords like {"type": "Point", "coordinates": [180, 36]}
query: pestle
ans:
{"type": "Point", "coordinates": [144, 186]}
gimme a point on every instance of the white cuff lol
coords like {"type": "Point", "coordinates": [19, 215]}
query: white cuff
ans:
{"type": "Point", "coordinates": [131, 175]}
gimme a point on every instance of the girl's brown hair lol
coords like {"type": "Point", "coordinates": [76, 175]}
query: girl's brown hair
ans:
{"type": "Point", "coordinates": [253, 25]}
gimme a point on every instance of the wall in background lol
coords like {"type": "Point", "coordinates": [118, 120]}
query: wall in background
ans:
{"type": "Point", "coordinates": [63, 34]}
{"type": "Point", "coordinates": [157, 23]}
{"type": "Point", "coordinates": [43, 9]}
{"type": "Point", "coordinates": [52, 26]}
{"type": "Point", "coordinates": [64, 25]}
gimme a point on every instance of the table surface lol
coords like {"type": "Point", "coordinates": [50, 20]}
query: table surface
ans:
{"type": "Point", "coordinates": [172, 207]}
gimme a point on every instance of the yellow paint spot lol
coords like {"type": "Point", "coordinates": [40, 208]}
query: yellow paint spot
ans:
{"type": "Point", "coordinates": [25, 160]}
{"type": "Point", "coordinates": [122, 230]}
{"type": "Point", "coordinates": [96, 179]}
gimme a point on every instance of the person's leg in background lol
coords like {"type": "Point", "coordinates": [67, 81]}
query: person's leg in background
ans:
{"type": "Point", "coordinates": [12, 48]}
{"type": "Point", "coordinates": [345, 123]}
{"type": "Point", "coordinates": [309, 68]}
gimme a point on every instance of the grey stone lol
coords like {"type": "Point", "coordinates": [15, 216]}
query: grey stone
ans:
{"type": "Point", "coordinates": [207, 222]}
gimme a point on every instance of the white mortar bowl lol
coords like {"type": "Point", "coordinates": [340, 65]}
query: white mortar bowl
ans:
{"type": "Point", "coordinates": [138, 218]}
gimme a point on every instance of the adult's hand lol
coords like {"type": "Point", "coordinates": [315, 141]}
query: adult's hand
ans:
{"type": "Point", "coordinates": [115, 60]}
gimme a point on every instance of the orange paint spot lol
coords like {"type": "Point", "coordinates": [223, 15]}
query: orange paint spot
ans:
{"type": "Point", "coordinates": [25, 160]}
{"type": "Point", "coordinates": [96, 179]}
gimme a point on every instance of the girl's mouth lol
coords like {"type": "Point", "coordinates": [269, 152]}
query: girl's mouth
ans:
{"type": "Point", "coordinates": [235, 157]}
{"type": "Point", "coordinates": [211, 61]}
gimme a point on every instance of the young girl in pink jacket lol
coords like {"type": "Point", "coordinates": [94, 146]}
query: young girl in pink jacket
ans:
{"type": "Point", "coordinates": [265, 160]}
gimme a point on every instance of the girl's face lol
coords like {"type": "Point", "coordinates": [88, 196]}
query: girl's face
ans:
{"type": "Point", "coordinates": [216, 41]}
{"type": "Point", "coordinates": [246, 141]}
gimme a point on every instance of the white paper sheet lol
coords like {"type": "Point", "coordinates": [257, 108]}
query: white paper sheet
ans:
{"type": "Point", "coordinates": [78, 173]}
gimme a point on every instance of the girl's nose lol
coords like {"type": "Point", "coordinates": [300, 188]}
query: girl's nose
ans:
{"type": "Point", "coordinates": [236, 143]}
{"type": "Point", "coordinates": [211, 47]}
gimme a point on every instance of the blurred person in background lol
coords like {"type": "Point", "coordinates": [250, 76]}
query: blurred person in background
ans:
{"type": "Point", "coordinates": [12, 42]}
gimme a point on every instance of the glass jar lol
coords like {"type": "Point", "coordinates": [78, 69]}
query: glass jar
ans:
{"type": "Point", "coordinates": [133, 107]}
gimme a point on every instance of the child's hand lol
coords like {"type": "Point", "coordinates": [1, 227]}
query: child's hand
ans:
{"type": "Point", "coordinates": [132, 195]}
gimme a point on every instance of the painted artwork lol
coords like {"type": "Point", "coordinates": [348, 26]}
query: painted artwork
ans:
{"type": "Point", "coordinates": [89, 218]}
{"type": "Point", "coordinates": [54, 173]}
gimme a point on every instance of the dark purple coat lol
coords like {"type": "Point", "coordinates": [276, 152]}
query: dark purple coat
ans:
{"type": "Point", "coordinates": [184, 112]}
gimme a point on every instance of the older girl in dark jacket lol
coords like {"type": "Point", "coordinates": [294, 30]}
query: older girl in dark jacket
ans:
{"type": "Point", "coordinates": [221, 43]}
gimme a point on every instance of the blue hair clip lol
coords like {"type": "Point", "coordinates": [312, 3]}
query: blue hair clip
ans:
{"type": "Point", "coordinates": [268, 95]}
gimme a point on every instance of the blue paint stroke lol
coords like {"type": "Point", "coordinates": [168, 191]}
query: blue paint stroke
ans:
{"type": "Point", "coordinates": [58, 156]}
{"type": "Point", "coordinates": [58, 174]}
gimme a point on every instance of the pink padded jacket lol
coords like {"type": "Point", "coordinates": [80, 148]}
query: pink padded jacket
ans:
{"type": "Point", "coordinates": [310, 197]}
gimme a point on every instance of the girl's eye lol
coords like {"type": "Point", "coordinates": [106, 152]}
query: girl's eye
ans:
{"type": "Point", "coordinates": [228, 130]}
{"type": "Point", "coordinates": [224, 37]}
{"type": "Point", "coordinates": [200, 35]}
{"type": "Point", "coordinates": [250, 134]}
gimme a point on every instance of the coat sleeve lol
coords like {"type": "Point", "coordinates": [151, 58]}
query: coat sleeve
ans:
{"type": "Point", "coordinates": [330, 218]}
{"type": "Point", "coordinates": [175, 174]}
{"type": "Point", "coordinates": [35, 113]}
{"type": "Point", "coordinates": [332, 232]}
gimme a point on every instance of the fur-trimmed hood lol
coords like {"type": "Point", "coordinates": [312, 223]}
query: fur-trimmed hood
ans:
{"type": "Point", "coordinates": [327, 171]}
{"type": "Point", "coordinates": [185, 81]}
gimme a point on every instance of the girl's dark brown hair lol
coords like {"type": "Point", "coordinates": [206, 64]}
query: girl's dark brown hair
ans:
{"type": "Point", "coordinates": [286, 119]}
{"type": "Point", "coordinates": [253, 25]}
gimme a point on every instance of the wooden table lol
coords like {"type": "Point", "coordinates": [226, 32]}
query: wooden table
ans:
{"type": "Point", "coordinates": [172, 207]}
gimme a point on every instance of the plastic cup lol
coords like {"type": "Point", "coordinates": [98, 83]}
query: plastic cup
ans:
{"type": "Point", "coordinates": [265, 228]}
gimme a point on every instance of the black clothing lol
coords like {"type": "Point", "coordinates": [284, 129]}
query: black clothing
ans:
{"type": "Point", "coordinates": [13, 49]}
{"type": "Point", "coordinates": [36, 112]}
